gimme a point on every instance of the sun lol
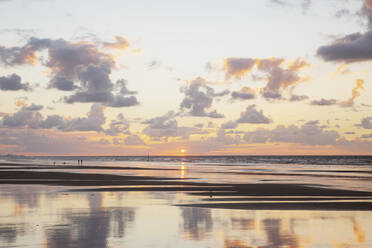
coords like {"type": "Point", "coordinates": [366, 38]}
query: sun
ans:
{"type": "Point", "coordinates": [182, 150]}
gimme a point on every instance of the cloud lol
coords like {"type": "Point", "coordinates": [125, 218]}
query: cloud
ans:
{"type": "Point", "coordinates": [121, 43]}
{"type": "Point", "coordinates": [366, 123]}
{"type": "Point", "coordinates": [278, 76]}
{"type": "Point", "coordinates": [22, 118]}
{"type": "Point", "coordinates": [34, 107]}
{"type": "Point", "coordinates": [310, 133]}
{"type": "Point", "coordinates": [251, 115]}
{"type": "Point", "coordinates": [238, 67]}
{"type": "Point", "coordinates": [297, 98]}
{"type": "Point", "coordinates": [367, 11]}
{"type": "Point", "coordinates": [324, 102]}
{"type": "Point", "coordinates": [62, 83]}
{"type": "Point", "coordinates": [229, 125]}
{"type": "Point", "coordinates": [199, 97]}
{"type": "Point", "coordinates": [366, 136]}
{"type": "Point", "coordinates": [305, 5]}
{"type": "Point", "coordinates": [166, 126]}
{"type": "Point", "coordinates": [93, 122]}
{"type": "Point", "coordinates": [97, 88]}
{"type": "Point", "coordinates": [65, 57]}
{"type": "Point", "coordinates": [245, 93]}
{"type": "Point", "coordinates": [279, 2]}
{"type": "Point", "coordinates": [153, 64]}
{"type": "Point", "coordinates": [134, 140]}
{"type": "Point", "coordinates": [81, 61]}
{"type": "Point", "coordinates": [23, 55]}
{"type": "Point", "coordinates": [13, 83]}
{"type": "Point", "coordinates": [354, 47]}
{"type": "Point", "coordinates": [122, 85]}
{"type": "Point", "coordinates": [118, 126]}
{"type": "Point", "coordinates": [31, 118]}
{"type": "Point", "coordinates": [359, 83]}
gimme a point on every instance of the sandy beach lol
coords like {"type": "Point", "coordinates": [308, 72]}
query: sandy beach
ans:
{"type": "Point", "coordinates": [210, 195]}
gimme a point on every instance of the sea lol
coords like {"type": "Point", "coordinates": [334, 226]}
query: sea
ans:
{"type": "Point", "coordinates": [59, 216]}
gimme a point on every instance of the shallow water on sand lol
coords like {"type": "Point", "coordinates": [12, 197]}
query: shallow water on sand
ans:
{"type": "Point", "coordinates": [46, 216]}
{"type": "Point", "coordinates": [352, 176]}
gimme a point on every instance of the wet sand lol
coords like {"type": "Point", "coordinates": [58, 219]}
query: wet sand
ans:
{"type": "Point", "coordinates": [266, 196]}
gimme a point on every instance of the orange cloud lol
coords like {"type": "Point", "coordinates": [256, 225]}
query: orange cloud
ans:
{"type": "Point", "coordinates": [20, 103]}
{"type": "Point", "coordinates": [238, 67]}
{"type": "Point", "coordinates": [121, 43]}
{"type": "Point", "coordinates": [359, 83]}
{"type": "Point", "coordinates": [298, 64]}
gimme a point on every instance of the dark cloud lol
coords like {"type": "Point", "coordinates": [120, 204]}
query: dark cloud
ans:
{"type": "Point", "coordinates": [34, 107]}
{"type": "Point", "coordinates": [97, 88]}
{"type": "Point", "coordinates": [13, 83]}
{"type": "Point", "coordinates": [245, 93]}
{"type": "Point", "coordinates": [51, 121]}
{"type": "Point", "coordinates": [366, 123]}
{"type": "Point", "coordinates": [62, 83]}
{"type": "Point", "coordinates": [81, 61]}
{"type": "Point", "coordinates": [65, 57]}
{"type": "Point", "coordinates": [324, 102]}
{"type": "Point", "coordinates": [199, 97]}
{"type": "Point", "coordinates": [251, 115]}
{"type": "Point", "coordinates": [354, 47]}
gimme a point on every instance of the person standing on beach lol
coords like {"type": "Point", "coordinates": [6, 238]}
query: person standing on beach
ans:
{"type": "Point", "coordinates": [78, 161]}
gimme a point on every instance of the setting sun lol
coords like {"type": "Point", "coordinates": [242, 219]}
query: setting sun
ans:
{"type": "Point", "coordinates": [182, 150]}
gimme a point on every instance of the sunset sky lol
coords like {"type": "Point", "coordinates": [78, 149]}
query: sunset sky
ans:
{"type": "Point", "coordinates": [265, 77]}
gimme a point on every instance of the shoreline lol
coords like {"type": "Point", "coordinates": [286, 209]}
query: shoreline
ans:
{"type": "Point", "coordinates": [260, 196]}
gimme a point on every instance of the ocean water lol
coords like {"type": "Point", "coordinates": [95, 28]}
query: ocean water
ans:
{"type": "Point", "coordinates": [54, 216]}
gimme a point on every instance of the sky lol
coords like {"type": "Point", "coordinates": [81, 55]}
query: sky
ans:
{"type": "Point", "coordinates": [268, 77]}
